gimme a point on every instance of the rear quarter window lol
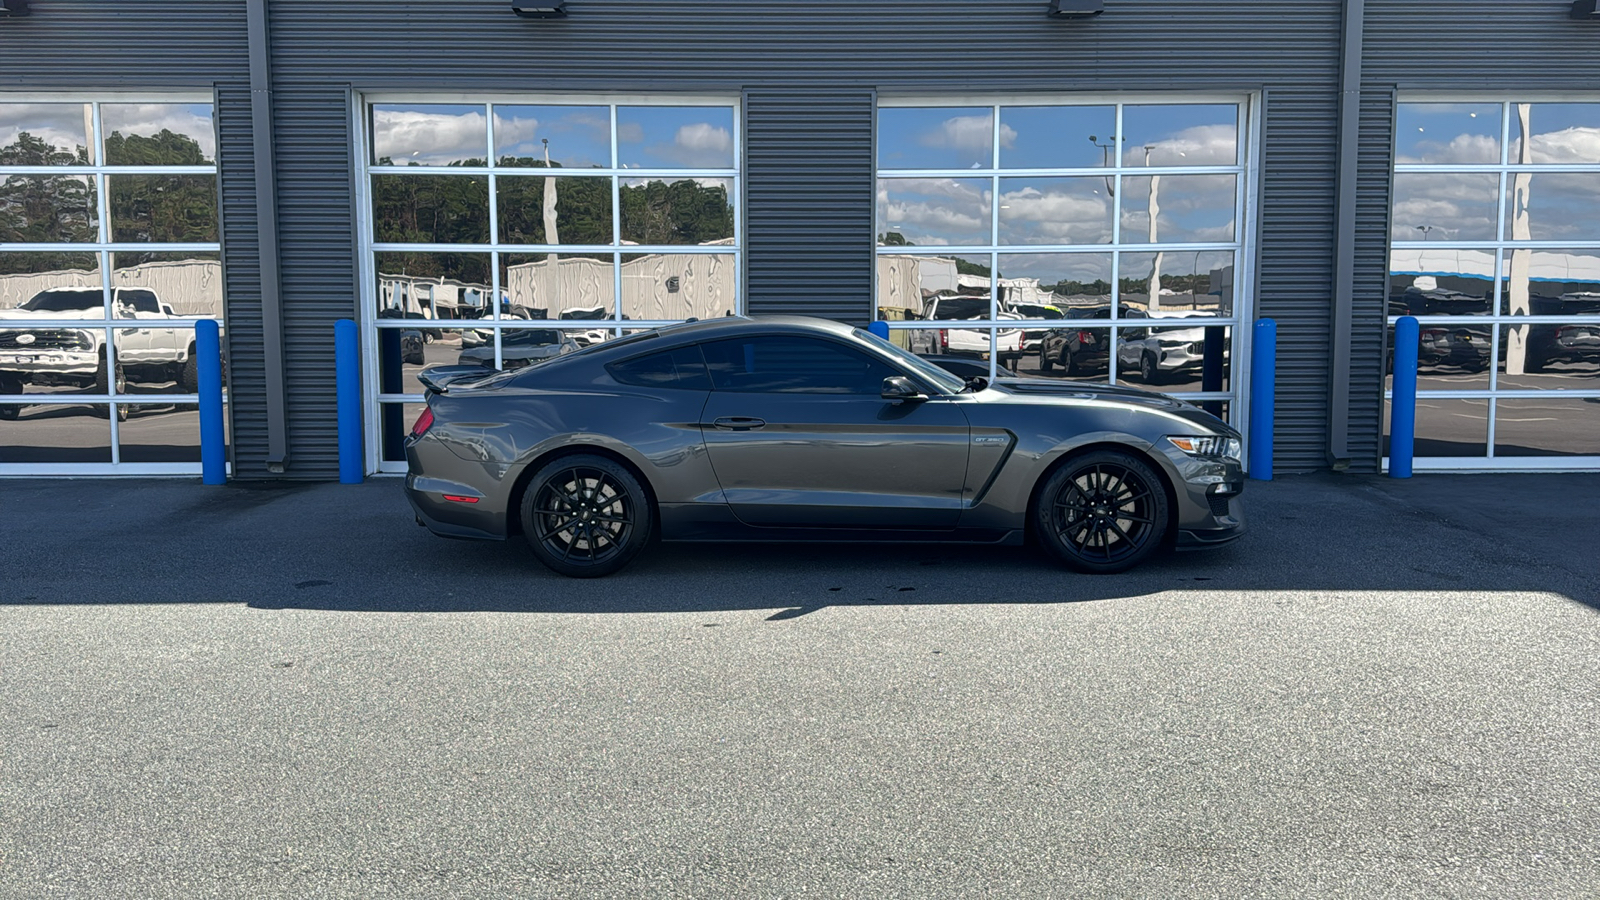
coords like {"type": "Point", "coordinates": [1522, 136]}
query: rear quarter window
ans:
{"type": "Point", "coordinates": [682, 368]}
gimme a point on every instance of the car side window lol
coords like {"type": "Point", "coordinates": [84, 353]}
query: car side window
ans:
{"type": "Point", "coordinates": [681, 368]}
{"type": "Point", "coordinates": [142, 301]}
{"type": "Point", "coordinates": [793, 365]}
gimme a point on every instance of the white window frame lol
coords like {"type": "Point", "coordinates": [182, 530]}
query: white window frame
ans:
{"type": "Point", "coordinates": [103, 247]}
{"type": "Point", "coordinates": [1244, 246]}
{"type": "Point", "coordinates": [372, 400]}
{"type": "Point", "coordinates": [1489, 462]}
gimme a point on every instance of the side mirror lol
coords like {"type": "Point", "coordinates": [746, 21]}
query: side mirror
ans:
{"type": "Point", "coordinates": [899, 387]}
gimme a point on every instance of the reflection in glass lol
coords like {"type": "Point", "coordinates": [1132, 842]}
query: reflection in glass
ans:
{"type": "Point", "coordinates": [678, 286]}
{"type": "Point", "coordinates": [946, 138]}
{"type": "Point", "coordinates": [1055, 211]}
{"type": "Point", "coordinates": [1561, 354]}
{"type": "Point", "coordinates": [187, 283]}
{"type": "Point", "coordinates": [675, 137]}
{"type": "Point", "coordinates": [1176, 359]}
{"type": "Point", "coordinates": [1437, 281]}
{"type": "Point", "coordinates": [433, 285]}
{"type": "Point", "coordinates": [1446, 427]}
{"type": "Point", "coordinates": [1172, 209]}
{"type": "Point", "coordinates": [405, 350]}
{"type": "Point", "coordinates": [157, 433]}
{"type": "Point", "coordinates": [48, 209]}
{"type": "Point", "coordinates": [1547, 426]}
{"type": "Point", "coordinates": [521, 345]}
{"type": "Point", "coordinates": [558, 286]}
{"type": "Point", "coordinates": [1447, 133]}
{"type": "Point", "coordinates": [1562, 132]}
{"type": "Point", "coordinates": [1197, 282]}
{"type": "Point", "coordinates": [1076, 348]}
{"type": "Point", "coordinates": [1063, 280]}
{"type": "Point", "coordinates": [1445, 207]}
{"type": "Point", "coordinates": [686, 211]}
{"type": "Point", "coordinates": [159, 134]}
{"type": "Point", "coordinates": [55, 433]}
{"type": "Point", "coordinates": [45, 134]}
{"type": "Point", "coordinates": [907, 282]}
{"type": "Point", "coordinates": [1553, 206]}
{"type": "Point", "coordinates": [573, 137]}
{"type": "Point", "coordinates": [540, 210]}
{"type": "Point", "coordinates": [163, 208]}
{"type": "Point", "coordinates": [394, 423]}
{"type": "Point", "coordinates": [1180, 135]}
{"type": "Point", "coordinates": [920, 211]}
{"type": "Point", "coordinates": [1453, 356]}
{"type": "Point", "coordinates": [430, 209]}
{"type": "Point", "coordinates": [24, 276]}
{"type": "Point", "coordinates": [429, 134]}
{"type": "Point", "coordinates": [1057, 137]}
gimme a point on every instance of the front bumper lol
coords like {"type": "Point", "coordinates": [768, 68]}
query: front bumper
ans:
{"type": "Point", "coordinates": [50, 362]}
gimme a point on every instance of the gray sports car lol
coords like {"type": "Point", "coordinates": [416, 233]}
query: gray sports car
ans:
{"type": "Point", "coordinates": [804, 429]}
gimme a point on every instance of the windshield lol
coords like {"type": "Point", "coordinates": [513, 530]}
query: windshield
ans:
{"type": "Point", "coordinates": [65, 301]}
{"type": "Point", "coordinates": [929, 372]}
{"type": "Point", "coordinates": [960, 308]}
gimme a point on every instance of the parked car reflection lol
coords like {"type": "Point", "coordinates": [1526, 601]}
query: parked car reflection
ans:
{"type": "Point", "coordinates": [1081, 351]}
{"type": "Point", "coordinates": [518, 347]}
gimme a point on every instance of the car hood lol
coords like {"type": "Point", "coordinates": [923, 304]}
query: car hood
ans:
{"type": "Point", "coordinates": [1045, 390]}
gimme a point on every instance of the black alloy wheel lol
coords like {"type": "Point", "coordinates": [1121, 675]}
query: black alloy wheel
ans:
{"type": "Point", "coordinates": [585, 516]}
{"type": "Point", "coordinates": [1103, 512]}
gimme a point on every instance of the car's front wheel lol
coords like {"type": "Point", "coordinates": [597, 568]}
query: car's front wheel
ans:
{"type": "Point", "coordinates": [1102, 512]}
{"type": "Point", "coordinates": [585, 516]}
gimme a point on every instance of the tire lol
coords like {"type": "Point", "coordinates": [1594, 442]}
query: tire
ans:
{"type": "Point", "coordinates": [189, 375]}
{"type": "Point", "coordinates": [1102, 512]}
{"type": "Point", "coordinates": [1149, 372]}
{"type": "Point", "coordinates": [1045, 362]}
{"type": "Point", "coordinates": [10, 411]}
{"type": "Point", "coordinates": [101, 386]}
{"type": "Point", "coordinates": [585, 516]}
{"type": "Point", "coordinates": [1070, 363]}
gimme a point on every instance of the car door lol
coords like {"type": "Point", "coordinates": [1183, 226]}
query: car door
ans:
{"type": "Point", "coordinates": [799, 436]}
{"type": "Point", "coordinates": [133, 344]}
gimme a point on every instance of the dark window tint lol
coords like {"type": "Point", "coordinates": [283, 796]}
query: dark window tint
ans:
{"type": "Point", "coordinates": [793, 365]}
{"type": "Point", "coordinates": [961, 308]}
{"type": "Point", "coordinates": [681, 368]}
{"type": "Point", "coordinates": [141, 301]}
{"type": "Point", "coordinates": [62, 301]}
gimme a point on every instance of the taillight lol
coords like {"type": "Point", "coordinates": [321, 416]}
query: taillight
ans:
{"type": "Point", "coordinates": [1085, 337]}
{"type": "Point", "coordinates": [944, 339]}
{"type": "Point", "coordinates": [424, 422]}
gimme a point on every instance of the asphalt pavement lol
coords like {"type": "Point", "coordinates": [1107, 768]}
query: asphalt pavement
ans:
{"type": "Point", "coordinates": [1386, 689]}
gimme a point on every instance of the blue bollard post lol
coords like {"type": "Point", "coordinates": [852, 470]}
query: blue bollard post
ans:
{"type": "Point", "coordinates": [1403, 408]}
{"type": "Point", "coordinates": [208, 371]}
{"type": "Point", "coordinates": [881, 329]}
{"type": "Point", "coordinates": [347, 364]}
{"type": "Point", "coordinates": [1263, 396]}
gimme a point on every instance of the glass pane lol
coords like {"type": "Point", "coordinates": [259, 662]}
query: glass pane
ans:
{"type": "Point", "coordinates": [1447, 133]}
{"type": "Point", "coordinates": [1446, 427]}
{"type": "Point", "coordinates": [155, 433]}
{"type": "Point", "coordinates": [1547, 426]}
{"type": "Point", "coordinates": [793, 365]}
{"type": "Point", "coordinates": [1551, 282]}
{"type": "Point", "coordinates": [679, 286]}
{"type": "Point", "coordinates": [1178, 208]}
{"type": "Point", "coordinates": [554, 210]}
{"type": "Point", "coordinates": [1562, 132]}
{"type": "Point", "coordinates": [1546, 355]}
{"type": "Point", "coordinates": [55, 433]}
{"type": "Point", "coordinates": [1180, 135]}
{"type": "Point", "coordinates": [50, 286]}
{"type": "Point", "coordinates": [1057, 288]}
{"type": "Point", "coordinates": [1057, 137]}
{"type": "Point", "coordinates": [152, 289]}
{"type": "Point", "coordinates": [1553, 206]}
{"type": "Point", "coordinates": [49, 209]}
{"type": "Point", "coordinates": [1445, 207]}
{"type": "Point", "coordinates": [952, 138]}
{"type": "Point", "coordinates": [1176, 359]}
{"type": "Point", "coordinates": [687, 211]}
{"type": "Point", "coordinates": [1452, 357]}
{"type": "Point", "coordinates": [1435, 281]}
{"type": "Point", "coordinates": [164, 209]}
{"type": "Point", "coordinates": [432, 285]}
{"type": "Point", "coordinates": [906, 283]}
{"type": "Point", "coordinates": [45, 134]}
{"type": "Point", "coordinates": [521, 346]}
{"type": "Point", "coordinates": [394, 423]}
{"type": "Point", "coordinates": [404, 351]}
{"type": "Point", "coordinates": [675, 137]}
{"type": "Point", "coordinates": [430, 209]}
{"type": "Point", "coordinates": [159, 134]}
{"type": "Point", "coordinates": [1076, 350]}
{"type": "Point", "coordinates": [426, 134]}
{"type": "Point", "coordinates": [1055, 210]}
{"type": "Point", "coordinates": [573, 137]}
{"type": "Point", "coordinates": [551, 286]}
{"type": "Point", "coordinates": [24, 276]}
{"type": "Point", "coordinates": [1191, 282]}
{"type": "Point", "coordinates": [915, 212]}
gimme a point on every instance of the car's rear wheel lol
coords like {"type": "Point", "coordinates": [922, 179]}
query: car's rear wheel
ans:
{"type": "Point", "coordinates": [1102, 512]}
{"type": "Point", "coordinates": [1045, 362]}
{"type": "Point", "coordinates": [10, 385]}
{"type": "Point", "coordinates": [585, 516]}
{"type": "Point", "coordinates": [1149, 373]}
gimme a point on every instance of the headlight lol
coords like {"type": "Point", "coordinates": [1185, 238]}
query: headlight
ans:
{"type": "Point", "coordinates": [1210, 446]}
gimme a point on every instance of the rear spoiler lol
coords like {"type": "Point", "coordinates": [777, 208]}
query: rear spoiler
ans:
{"type": "Point", "coordinates": [437, 379]}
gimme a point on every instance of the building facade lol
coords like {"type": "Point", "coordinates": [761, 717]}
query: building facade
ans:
{"type": "Point", "coordinates": [471, 185]}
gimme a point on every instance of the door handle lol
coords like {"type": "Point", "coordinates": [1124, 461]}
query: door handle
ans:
{"type": "Point", "coordinates": [739, 423]}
